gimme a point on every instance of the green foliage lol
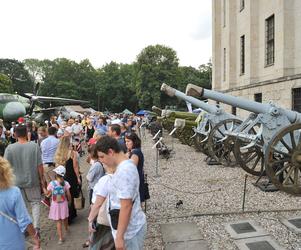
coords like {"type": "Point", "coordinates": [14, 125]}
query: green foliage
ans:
{"type": "Point", "coordinates": [156, 64]}
{"type": "Point", "coordinates": [21, 80]}
{"type": "Point", "coordinates": [6, 85]}
{"type": "Point", "coordinates": [35, 69]}
{"type": "Point", "coordinates": [114, 86]}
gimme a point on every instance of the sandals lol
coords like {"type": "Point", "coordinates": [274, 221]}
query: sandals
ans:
{"type": "Point", "coordinates": [86, 244]}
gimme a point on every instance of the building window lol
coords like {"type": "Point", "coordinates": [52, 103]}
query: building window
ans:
{"type": "Point", "coordinates": [224, 13]}
{"type": "Point", "coordinates": [258, 97]}
{"type": "Point", "coordinates": [270, 41]}
{"type": "Point", "coordinates": [296, 94]}
{"type": "Point", "coordinates": [224, 69]}
{"type": "Point", "coordinates": [242, 55]}
{"type": "Point", "coordinates": [242, 5]}
{"type": "Point", "coordinates": [233, 110]}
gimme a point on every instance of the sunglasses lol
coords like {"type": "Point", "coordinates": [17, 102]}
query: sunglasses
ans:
{"type": "Point", "coordinates": [20, 124]}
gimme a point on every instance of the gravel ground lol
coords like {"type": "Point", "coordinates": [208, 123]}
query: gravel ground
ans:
{"type": "Point", "coordinates": [210, 190]}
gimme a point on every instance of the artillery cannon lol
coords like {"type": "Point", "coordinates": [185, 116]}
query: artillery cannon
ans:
{"type": "Point", "coordinates": [157, 110]}
{"type": "Point", "coordinates": [270, 138]}
{"type": "Point", "coordinates": [207, 138]}
{"type": "Point", "coordinates": [169, 117]}
{"type": "Point", "coordinates": [184, 131]}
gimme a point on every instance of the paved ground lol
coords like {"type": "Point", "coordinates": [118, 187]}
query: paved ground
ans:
{"type": "Point", "coordinates": [78, 230]}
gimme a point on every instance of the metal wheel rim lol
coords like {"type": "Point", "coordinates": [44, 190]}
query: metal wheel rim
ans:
{"type": "Point", "coordinates": [284, 166]}
{"type": "Point", "coordinates": [222, 151]}
{"type": "Point", "coordinates": [202, 147]}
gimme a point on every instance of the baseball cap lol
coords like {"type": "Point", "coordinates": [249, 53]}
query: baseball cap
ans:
{"type": "Point", "coordinates": [60, 170]}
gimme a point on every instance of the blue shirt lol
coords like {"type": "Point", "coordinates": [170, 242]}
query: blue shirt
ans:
{"type": "Point", "coordinates": [101, 129]}
{"type": "Point", "coordinates": [12, 204]}
{"type": "Point", "coordinates": [96, 171]}
{"type": "Point", "coordinates": [48, 147]}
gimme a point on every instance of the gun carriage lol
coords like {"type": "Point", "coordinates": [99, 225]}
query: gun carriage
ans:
{"type": "Point", "coordinates": [184, 130]}
{"type": "Point", "coordinates": [183, 121]}
{"type": "Point", "coordinates": [269, 141]}
{"type": "Point", "coordinates": [221, 149]}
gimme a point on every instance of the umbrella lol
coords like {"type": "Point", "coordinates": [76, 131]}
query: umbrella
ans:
{"type": "Point", "coordinates": [127, 112]}
{"type": "Point", "coordinates": [142, 112]}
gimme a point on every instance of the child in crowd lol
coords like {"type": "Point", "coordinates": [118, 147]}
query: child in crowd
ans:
{"type": "Point", "coordinates": [59, 189]}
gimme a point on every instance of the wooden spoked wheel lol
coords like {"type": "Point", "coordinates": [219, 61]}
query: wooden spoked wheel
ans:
{"type": "Point", "coordinates": [221, 146]}
{"type": "Point", "coordinates": [283, 160]}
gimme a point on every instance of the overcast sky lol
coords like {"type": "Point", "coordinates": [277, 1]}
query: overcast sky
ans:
{"type": "Point", "coordinates": [105, 30]}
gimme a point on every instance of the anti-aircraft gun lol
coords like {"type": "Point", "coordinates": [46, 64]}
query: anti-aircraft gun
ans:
{"type": "Point", "coordinates": [169, 118]}
{"type": "Point", "coordinates": [221, 149]}
{"type": "Point", "coordinates": [270, 138]}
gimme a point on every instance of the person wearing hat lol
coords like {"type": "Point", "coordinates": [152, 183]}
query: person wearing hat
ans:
{"type": "Point", "coordinates": [59, 190]}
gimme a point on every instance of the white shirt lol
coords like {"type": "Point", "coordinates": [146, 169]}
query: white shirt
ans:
{"type": "Point", "coordinates": [68, 129]}
{"type": "Point", "coordinates": [12, 132]}
{"type": "Point", "coordinates": [125, 185]}
{"type": "Point", "coordinates": [76, 128]}
{"type": "Point", "coordinates": [101, 188]}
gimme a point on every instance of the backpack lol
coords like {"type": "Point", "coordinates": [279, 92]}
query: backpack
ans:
{"type": "Point", "coordinates": [58, 193]}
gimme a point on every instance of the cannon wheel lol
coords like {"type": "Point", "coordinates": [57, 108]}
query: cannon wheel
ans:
{"type": "Point", "coordinates": [167, 125]}
{"type": "Point", "coordinates": [184, 135]}
{"type": "Point", "coordinates": [199, 145]}
{"type": "Point", "coordinates": [251, 159]}
{"type": "Point", "coordinates": [222, 150]}
{"type": "Point", "coordinates": [283, 159]}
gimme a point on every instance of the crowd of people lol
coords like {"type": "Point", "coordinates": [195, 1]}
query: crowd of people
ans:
{"type": "Point", "coordinates": [40, 165]}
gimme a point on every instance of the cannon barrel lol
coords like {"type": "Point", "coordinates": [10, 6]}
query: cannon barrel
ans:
{"type": "Point", "coordinates": [181, 115]}
{"type": "Point", "coordinates": [205, 106]}
{"type": "Point", "coordinates": [252, 106]}
{"type": "Point", "coordinates": [157, 110]}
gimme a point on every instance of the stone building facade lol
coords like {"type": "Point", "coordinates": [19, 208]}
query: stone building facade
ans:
{"type": "Point", "coordinates": [256, 51]}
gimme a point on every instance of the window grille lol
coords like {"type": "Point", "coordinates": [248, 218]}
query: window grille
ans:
{"type": "Point", "coordinates": [242, 5]}
{"type": "Point", "coordinates": [296, 97]}
{"type": "Point", "coordinates": [270, 41]}
{"type": "Point", "coordinates": [233, 110]}
{"type": "Point", "coordinates": [224, 13]}
{"type": "Point", "coordinates": [224, 71]}
{"type": "Point", "coordinates": [258, 97]}
{"type": "Point", "coordinates": [242, 55]}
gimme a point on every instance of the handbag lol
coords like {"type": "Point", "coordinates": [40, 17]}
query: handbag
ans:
{"type": "Point", "coordinates": [146, 189]}
{"type": "Point", "coordinates": [102, 217]}
{"type": "Point", "coordinates": [114, 213]}
{"type": "Point", "coordinates": [79, 202]}
{"type": "Point", "coordinates": [8, 217]}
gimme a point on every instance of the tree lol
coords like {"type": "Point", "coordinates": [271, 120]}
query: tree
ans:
{"type": "Point", "coordinates": [206, 74]}
{"type": "Point", "coordinates": [85, 80]}
{"type": "Point", "coordinates": [155, 64]}
{"type": "Point", "coordinates": [116, 87]}
{"type": "Point", "coordinates": [6, 85]}
{"type": "Point", "coordinates": [21, 80]}
{"type": "Point", "coordinates": [35, 69]}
